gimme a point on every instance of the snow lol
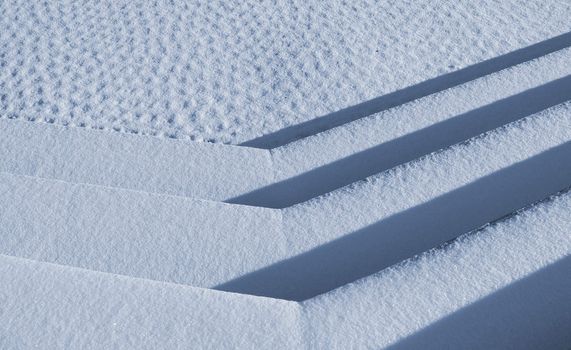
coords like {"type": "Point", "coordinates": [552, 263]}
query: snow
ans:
{"type": "Point", "coordinates": [370, 145]}
{"type": "Point", "coordinates": [300, 170]}
{"type": "Point", "coordinates": [404, 211]}
{"type": "Point", "coordinates": [514, 85]}
{"type": "Point", "coordinates": [231, 71]}
{"type": "Point", "coordinates": [479, 287]}
{"type": "Point", "coordinates": [126, 161]}
{"type": "Point", "coordinates": [57, 307]}
{"type": "Point", "coordinates": [158, 237]}
{"type": "Point", "coordinates": [503, 287]}
{"type": "Point", "coordinates": [297, 252]}
{"type": "Point", "coordinates": [376, 175]}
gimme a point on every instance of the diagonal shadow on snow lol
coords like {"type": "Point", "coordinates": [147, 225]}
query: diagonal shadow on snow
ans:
{"type": "Point", "coordinates": [384, 156]}
{"type": "Point", "coordinates": [539, 304]}
{"type": "Point", "coordinates": [410, 232]}
{"type": "Point", "coordinates": [428, 87]}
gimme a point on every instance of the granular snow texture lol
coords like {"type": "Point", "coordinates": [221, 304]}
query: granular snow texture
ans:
{"type": "Point", "coordinates": [229, 71]}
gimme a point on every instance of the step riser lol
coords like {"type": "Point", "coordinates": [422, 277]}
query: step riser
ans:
{"type": "Point", "coordinates": [165, 238]}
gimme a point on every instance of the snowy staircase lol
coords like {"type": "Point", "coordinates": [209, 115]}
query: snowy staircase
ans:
{"type": "Point", "coordinates": [145, 224]}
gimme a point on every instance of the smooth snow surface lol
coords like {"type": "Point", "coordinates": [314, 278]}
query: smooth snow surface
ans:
{"type": "Point", "coordinates": [55, 307]}
{"type": "Point", "coordinates": [159, 237]}
{"type": "Point", "coordinates": [377, 175]}
{"type": "Point", "coordinates": [127, 161]}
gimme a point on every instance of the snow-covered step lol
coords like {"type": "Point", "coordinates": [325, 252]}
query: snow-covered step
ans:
{"type": "Point", "coordinates": [300, 170]}
{"type": "Point", "coordinates": [301, 251]}
{"type": "Point", "coordinates": [319, 164]}
{"type": "Point", "coordinates": [159, 237]}
{"type": "Point", "coordinates": [506, 286]}
{"type": "Point", "coordinates": [56, 307]}
{"type": "Point", "coordinates": [373, 224]}
{"type": "Point", "coordinates": [151, 164]}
